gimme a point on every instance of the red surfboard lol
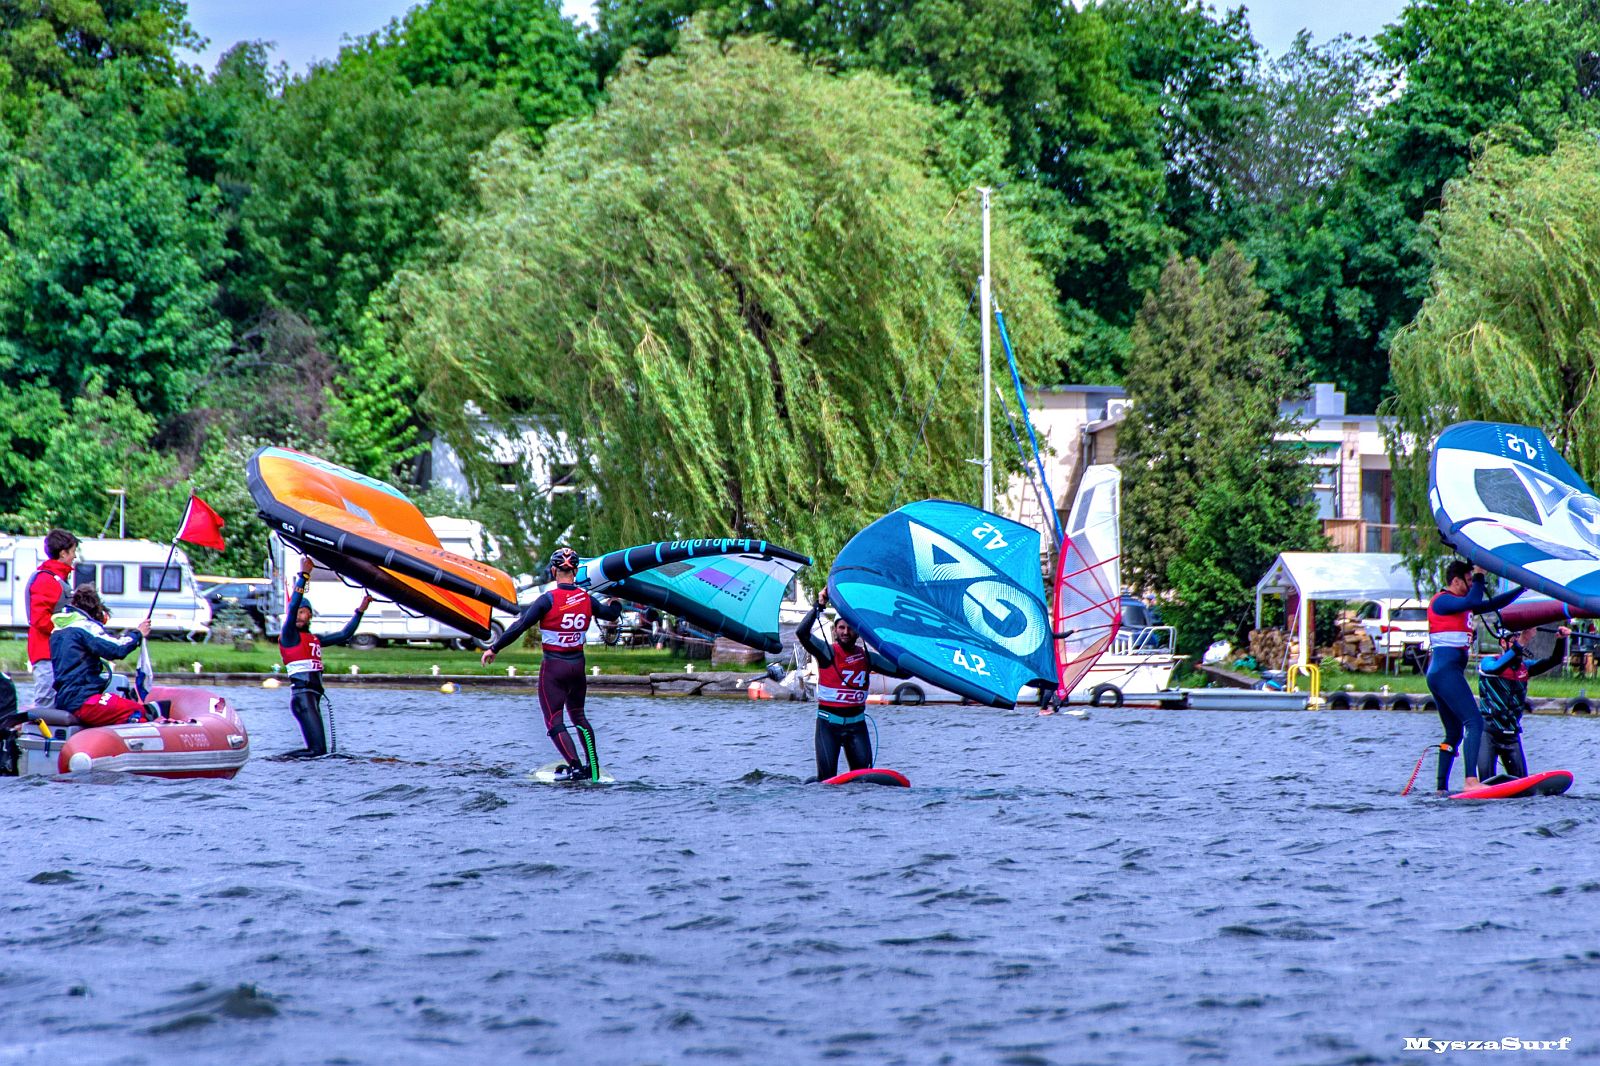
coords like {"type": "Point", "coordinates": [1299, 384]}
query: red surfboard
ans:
{"type": "Point", "coordinates": [1549, 783]}
{"type": "Point", "coordinates": [871, 776]}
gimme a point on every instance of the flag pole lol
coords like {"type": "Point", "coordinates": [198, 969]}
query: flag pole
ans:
{"type": "Point", "coordinates": [162, 580]}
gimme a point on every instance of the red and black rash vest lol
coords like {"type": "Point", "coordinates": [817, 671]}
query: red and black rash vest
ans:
{"type": "Point", "coordinates": [563, 616]}
{"type": "Point", "coordinates": [566, 623]}
{"type": "Point", "coordinates": [304, 657]}
{"type": "Point", "coordinates": [843, 682]}
{"type": "Point", "coordinates": [1456, 628]}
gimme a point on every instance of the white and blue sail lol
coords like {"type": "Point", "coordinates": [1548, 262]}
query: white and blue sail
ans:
{"type": "Point", "coordinates": [953, 595]}
{"type": "Point", "coordinates": [1504, 497]}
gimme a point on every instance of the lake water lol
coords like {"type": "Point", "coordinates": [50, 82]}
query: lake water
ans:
{"type": "Point", "coordinates": [1136, 887]}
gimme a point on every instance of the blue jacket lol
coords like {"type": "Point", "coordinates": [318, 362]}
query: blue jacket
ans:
{"type": "Point", "coordinates": [79, 647]}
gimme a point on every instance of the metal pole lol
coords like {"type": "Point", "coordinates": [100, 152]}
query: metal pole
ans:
{"type": "Point", "coordinates": [985, 301]}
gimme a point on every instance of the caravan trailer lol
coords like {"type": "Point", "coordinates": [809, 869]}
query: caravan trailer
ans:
{"type": "Point", "coordinates": [125, 571]}
{"type": "Point", "coordinates": [334, 601]}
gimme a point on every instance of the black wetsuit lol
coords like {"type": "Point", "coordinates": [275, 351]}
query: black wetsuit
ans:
{"type": "Point", "coordinates": [1503, 688]}
{"type": "Point", "coordinates": [841, 727]}
{"type": "Point", "coordinates": [563, 683]}
{"type": "Point", "coordinates": [302, 653]}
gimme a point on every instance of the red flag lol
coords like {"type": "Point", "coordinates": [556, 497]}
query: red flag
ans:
{"type": "Point", "coordinates": [201, 525]}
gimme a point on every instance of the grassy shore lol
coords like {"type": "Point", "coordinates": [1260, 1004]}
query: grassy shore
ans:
{"type": "Point", "coordinates": [180, 657]}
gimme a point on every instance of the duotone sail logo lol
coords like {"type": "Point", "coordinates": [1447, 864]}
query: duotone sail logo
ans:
{"type": "Point", "coordinates": [993, 607]}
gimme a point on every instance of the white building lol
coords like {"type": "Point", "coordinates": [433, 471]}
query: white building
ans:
{"type": "Point", "coordinates": [535, 456]}
{"type": "Point", "coordinates": [1355, 494]}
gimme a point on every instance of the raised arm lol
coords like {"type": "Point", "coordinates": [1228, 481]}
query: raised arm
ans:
{"type": "Point", "coordinates": [1477, 600]}
{"type": "Point", "coordinates": [811, 642]}
{"type": "Point", "coordinates": [290, 635]}
{"type": "Point", "coordinates": [1557, 656]}
{"type": "Point", "coordinates": [350, 627]}
{"type": "Point", "coordinates": [605, 608]}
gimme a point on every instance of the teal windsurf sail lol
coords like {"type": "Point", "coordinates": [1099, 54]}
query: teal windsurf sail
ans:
{"type": "Point", "coordinates": [953, 595]}
{"type": "Point", "coordinates": [731, 587]}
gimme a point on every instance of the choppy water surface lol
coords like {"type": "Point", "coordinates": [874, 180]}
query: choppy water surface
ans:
{"type": "Point", "coordinates": [1138, 887]}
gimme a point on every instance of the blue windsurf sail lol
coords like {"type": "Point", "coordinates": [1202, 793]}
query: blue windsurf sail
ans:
{"type": "Point", "coordinates": [1505, 498]}
{"type": "Point", "coordinates": [953, 595]}
{"type": "Point", "coordinates": [733, 588]}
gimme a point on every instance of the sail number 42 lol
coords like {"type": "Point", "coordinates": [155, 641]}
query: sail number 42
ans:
{"type": "Point", "coordinates": [972, 664]}
{"type": "Point", "coordinates": [988, 529]}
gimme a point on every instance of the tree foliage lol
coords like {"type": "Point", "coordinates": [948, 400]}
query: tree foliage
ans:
{"type": "Point", "coordinates": [523, 48]}
{"type": "Point", "coordinates": [1209, 496]}
{"type": "Point", "coordinates": [349, 174]}
{"type": "Point", "coordinates": [372, 422]}
{"type": "Point", "coordinates": [714, 291]}
{"type": "Point", "coordinates": [106, 258]}
{"type": "Point", "coordinates": [1510, 330]}
{"type": "Point", "coordinates": [106, 443]}
{"type": "Point", "coordinates": [52, 48]}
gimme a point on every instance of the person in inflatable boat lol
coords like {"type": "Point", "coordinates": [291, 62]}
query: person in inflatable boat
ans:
{"type": "Point", "coordinates": [81, 649]}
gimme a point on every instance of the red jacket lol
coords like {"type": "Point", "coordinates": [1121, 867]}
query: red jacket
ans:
{"type": "Point", "coordinates": [47, 594]}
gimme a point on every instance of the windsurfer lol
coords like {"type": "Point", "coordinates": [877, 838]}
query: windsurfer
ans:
{"type": "Point", "coordinates": [1503, 686]}
{"type": "Point", "coordinates": [844, 670]}
{"type": "Point", "coordinates": [302, 658]}
{"type": "Point", "coordinates": [563, 616]}
{"type": "Point", "coordinates": [1450, 636]}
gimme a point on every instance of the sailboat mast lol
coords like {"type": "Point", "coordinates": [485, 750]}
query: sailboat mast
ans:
{"type": "Point", "coordinates": [985, 302]}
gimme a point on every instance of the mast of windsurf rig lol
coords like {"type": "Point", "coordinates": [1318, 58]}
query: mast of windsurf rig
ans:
{"type": "Point", "coordinates": [983, 313]}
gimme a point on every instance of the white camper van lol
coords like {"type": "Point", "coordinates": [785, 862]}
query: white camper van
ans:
{"type": "Point", "coordinates": [334, 601]}
{"type": "Point", "coordinates": [125, 571]}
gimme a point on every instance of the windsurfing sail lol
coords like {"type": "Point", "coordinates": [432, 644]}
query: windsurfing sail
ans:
{"type": "Point", "coordinates": [1505, 498]}
{"type": "Point", "coordinates": [1533, 611]}
{"type": "Point", "coordinates": [1088, 599]}
{"type": "Point", "coordinates": [731, 587]}
{"type": "Point", "coordinates": [370, 532]}
{"type": "Point", "coordinates": [953, 595]}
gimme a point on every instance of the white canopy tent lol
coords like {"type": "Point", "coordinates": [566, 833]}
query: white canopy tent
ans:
{"type": "Point", "coordinates": [1339, 576]}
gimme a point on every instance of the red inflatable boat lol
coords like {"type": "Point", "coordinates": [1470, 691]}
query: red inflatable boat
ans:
{"type": "Point", "coordinates": [204, 738]}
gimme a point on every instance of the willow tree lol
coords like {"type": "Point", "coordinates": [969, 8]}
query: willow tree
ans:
{"type": "Point", "coordinates": [735, 292]}
{"type": "Point", "coordinates": [1510, 330]}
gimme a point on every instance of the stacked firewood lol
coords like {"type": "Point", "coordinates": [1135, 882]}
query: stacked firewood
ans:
{"type": "Point", "coordinates": [1354, 647]}
{"type": "Point", "coordinates": [1272, 647]}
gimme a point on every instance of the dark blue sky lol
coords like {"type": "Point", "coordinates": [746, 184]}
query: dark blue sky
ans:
{"type": "Point", "coordinates": [304, 30]}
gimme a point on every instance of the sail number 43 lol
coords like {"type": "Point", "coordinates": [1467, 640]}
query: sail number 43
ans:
{"type": "Point", "coordinates": [972, 664]}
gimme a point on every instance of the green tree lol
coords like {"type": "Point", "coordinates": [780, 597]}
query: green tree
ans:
{"type": "Point", "coordinates": [1034, 95]}
{"type": "Point", "coordinates": [65, 48]}
{"type": "Point", "coordinates": [1209, 496]}
{"type": "Point", "coordinates": [372, 422]}
{"type": "Point", "coordinates": [523, 48]}
{"type": "Point", "coordinates": [106, 258]}
{"type": "Point", "coordinates": [713, 292]}
{"type": "Point", "coordinates": [1354, 271]}
{"type": "Point", "coordinates": [1509, 329]}
{"type": "Point", "coordinates": [30, 411]}
{"type": "Point", "coordinates": [350, 173]}
{"type": "Point", "coordinates": [107, 443]}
